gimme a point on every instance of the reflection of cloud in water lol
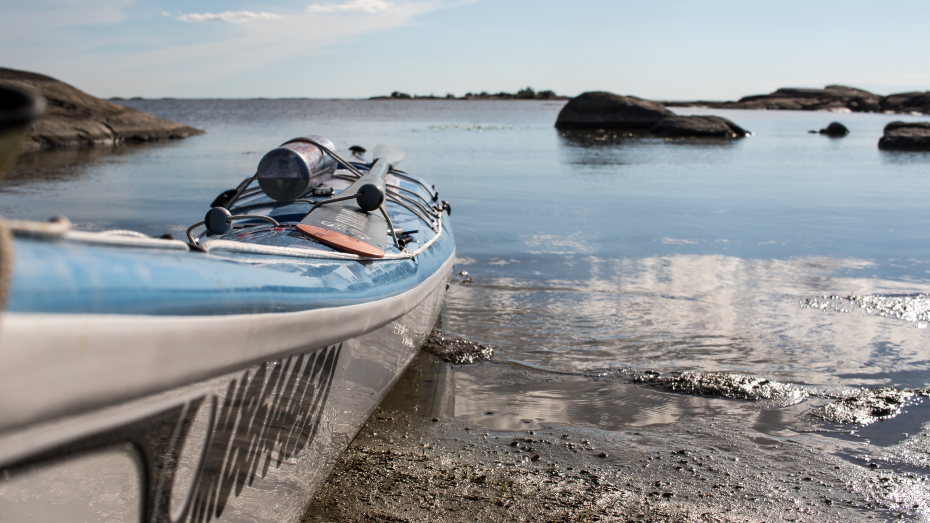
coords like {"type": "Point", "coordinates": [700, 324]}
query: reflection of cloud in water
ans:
{"type": "Point", "coordinates": [673, 241]}
{"type": "Point", "coordinates": [576, 243]}
{"type": "Point", "coordinates": [524, 400]}
{"type": "Point", "coordinates": [503, 262]}
{"type": "Point", "coordinates": [693, 312]}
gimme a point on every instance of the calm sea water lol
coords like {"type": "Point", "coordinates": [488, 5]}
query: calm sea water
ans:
{"type": "Point", "coordinates": [589, 251]}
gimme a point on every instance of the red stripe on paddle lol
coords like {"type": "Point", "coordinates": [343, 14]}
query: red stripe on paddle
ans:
{"type": "Point", "coordinates": [340, 241]}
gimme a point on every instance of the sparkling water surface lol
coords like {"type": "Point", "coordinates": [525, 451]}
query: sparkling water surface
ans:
{"type": "Point", "coordinates": [586, 252]}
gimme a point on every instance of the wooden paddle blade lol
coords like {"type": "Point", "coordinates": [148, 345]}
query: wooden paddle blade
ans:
{"type": "Point", "coordinates": [340, 241]}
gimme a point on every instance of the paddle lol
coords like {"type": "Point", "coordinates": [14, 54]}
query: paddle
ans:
{"type": "Point", "coordinates": [351, 225]}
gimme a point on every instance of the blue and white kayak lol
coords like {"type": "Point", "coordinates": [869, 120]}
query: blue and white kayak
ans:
{"type": "Point", "coordinates": [219, 378]}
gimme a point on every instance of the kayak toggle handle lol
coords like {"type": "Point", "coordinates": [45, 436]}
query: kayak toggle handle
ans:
{"type": "Point", "coordinates": [219, 221]}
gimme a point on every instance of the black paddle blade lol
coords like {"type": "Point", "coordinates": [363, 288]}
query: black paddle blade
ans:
{"type": "Point", "coordinates": [347, 219]}
{"type": "Point", "coordinates": [351, 219]}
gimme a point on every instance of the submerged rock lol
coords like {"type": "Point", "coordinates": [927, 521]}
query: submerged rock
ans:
{"type": "Point", "coordinates": [866, 407]}
{"type": "Point", "coordinates": [456, 350]}
{"type": "Point", "coordinates": [603, 110]}
{"type": "Point", "coordinates": [906, 136]}
{"type": "Point", "coordinates": [835, 129]}
{"type": "Point", "coordinates": [736, 386]}
{"type": "Point", "coordinates": [697, 127]}
{"type": "Point", "coordinates": [75, 118]}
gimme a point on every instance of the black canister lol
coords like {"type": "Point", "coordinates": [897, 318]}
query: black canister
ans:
{"type": "Point", "coordinates": [286, 173]}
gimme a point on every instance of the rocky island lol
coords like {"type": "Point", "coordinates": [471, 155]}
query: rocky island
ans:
{"type": "Point", "coordinates": [75, 118]}
{"type": "Point", "coordinates": [603, 110]}
{"type": "Point", "coordinates": [836, 98]}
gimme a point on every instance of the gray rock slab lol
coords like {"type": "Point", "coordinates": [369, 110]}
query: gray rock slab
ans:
{"type": "Point", "coordinates": [75, 118]}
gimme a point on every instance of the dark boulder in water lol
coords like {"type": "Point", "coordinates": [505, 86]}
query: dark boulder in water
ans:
{"type": "Point", "coordinates": [697, 127]}
{"type": "Point", "coordinates": [603, 110]}
{"type": "Point", "coordinates": [906, 136]}
{"type": "Point", "coordinates": [835, 130]}
{"type": "Point", "coordinates": [75, 118]}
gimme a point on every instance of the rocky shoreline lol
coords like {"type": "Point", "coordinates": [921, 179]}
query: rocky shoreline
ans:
{"type": "Point", "coordinates": [414, 462]}
{"type": "Point", "coordinates": [74, 118]}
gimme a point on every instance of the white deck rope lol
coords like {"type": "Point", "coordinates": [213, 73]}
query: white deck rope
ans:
{"type": "Point", "coordinates": [60, 229]}
{"type": "Point", "coordinates": [54, 228]}
{"type": "Point", "coordinates": [124, 240]}
{"type": "Point", "coordinates": [124, 232]}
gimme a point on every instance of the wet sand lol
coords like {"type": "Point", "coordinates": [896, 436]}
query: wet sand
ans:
{"type": "Point", "coordinates": [729, 460]}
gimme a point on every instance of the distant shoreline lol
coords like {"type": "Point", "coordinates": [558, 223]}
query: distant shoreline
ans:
{"type": "Point", "coordinates": [832, 98]}
{"type": "Point", "coordinates": [121, 99]}
{"type": "Point", "coordinates": [522, 94]}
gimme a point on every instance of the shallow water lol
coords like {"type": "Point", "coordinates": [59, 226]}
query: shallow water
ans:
{"type": "Point", "coordinates": [587, 252]}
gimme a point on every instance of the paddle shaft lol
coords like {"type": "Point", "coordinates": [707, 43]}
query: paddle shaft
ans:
{"type": "Point", "coordinates": [352, 220]}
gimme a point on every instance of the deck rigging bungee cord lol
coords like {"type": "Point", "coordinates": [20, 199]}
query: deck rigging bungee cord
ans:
{"type": "Point", "coordinates": [422, 212]}
{"type": "Point", "coordinates": [60, 229]}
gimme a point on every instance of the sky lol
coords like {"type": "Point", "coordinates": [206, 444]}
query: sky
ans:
{"type": "Point", "coordinates": [663, 49]}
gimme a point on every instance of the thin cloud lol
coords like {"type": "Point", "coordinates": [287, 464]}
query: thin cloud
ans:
{"type": "Point", "coordinates": [236, 17]}
{"type": "Point", "coordinates": [202, 63]}
{"type": "Point", "coordinates": [366, 6]}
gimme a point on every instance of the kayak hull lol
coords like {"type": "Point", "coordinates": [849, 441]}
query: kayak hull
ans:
{"type": "Point", "coordinates": [253, 444]}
